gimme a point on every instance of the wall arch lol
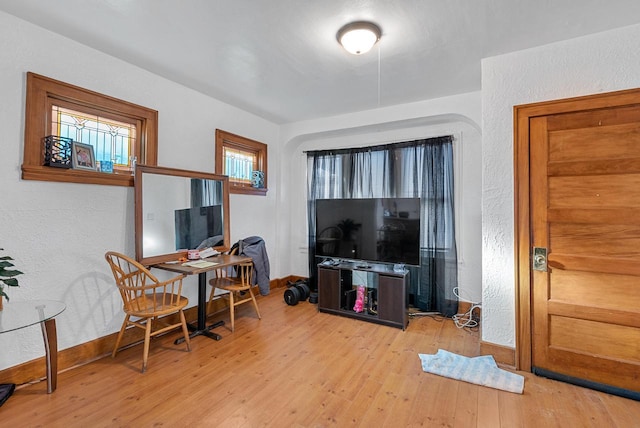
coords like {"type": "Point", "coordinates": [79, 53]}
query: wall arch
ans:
{"type": "Point", "coordinates": [292, 216]}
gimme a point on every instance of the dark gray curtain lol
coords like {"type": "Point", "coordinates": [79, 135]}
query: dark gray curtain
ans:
{"type": "Point", "coordinates": [205, 192]}
{"type": "Point", "coordinates": [421, 168]}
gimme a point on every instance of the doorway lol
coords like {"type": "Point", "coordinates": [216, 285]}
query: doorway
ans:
{"type": "Point", "coordinates": [577, 213]}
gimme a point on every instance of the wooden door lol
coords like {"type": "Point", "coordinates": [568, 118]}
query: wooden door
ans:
{"type": "Point", "coordinates": [584, 196]}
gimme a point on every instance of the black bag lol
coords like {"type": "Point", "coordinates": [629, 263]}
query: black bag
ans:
{"type": "Point", "coordinates": [6, 389]}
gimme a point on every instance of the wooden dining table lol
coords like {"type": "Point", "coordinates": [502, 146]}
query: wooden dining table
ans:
{"type": "Point", "coordinates": [216, 262]}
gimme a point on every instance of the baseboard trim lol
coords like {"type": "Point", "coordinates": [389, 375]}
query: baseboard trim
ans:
{"type": "Point", "coordinates": [464, 307]}
{"type": "Point", "coordinates": [284, 282]}
{"type": "Point", "coordinates": [34, 370]}
{"type": "Point", "coordinates": [503, 355]}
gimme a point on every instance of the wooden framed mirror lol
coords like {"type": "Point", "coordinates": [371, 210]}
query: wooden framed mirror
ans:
{"type": "Point", "coordinates": [178, 210]}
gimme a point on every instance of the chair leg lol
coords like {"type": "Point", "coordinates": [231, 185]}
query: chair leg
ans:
{"type": "Point", "coordinates": [232, 309]}
{"type": "Point", "coordinates": [210, 302]}
{"type": "Point", "coordinates": [120, 335]}
{"type": "Point", "coordinates": [255, 303]}
{"type": "Point", "coordinates": [185, 330]}
{"type": "Point", "coordinates": [147, 340]}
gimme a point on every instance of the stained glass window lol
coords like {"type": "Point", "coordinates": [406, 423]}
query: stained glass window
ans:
{"type": "Point", "coordinates": [112, 140]}
{"type": "Point", "coordinates": [244, 161]}
{"type": "Point", "coordinates": [239, 165]}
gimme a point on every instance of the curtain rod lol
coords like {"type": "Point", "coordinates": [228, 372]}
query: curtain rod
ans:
{"type": "Point", "coordinates": [414, 143]}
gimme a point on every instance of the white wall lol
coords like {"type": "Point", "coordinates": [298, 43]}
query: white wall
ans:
{"type": "Point", "coordinates": [457, 115]}
{"type": "Point", "coordinates": [601, 62]}
{"type": "Point", "coordinates": [59, 232]}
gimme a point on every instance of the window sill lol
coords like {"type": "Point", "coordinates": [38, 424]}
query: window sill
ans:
{"type": "Point", "coordinates": [46, 173]}
{"type": "Point", "coordinates": [247, 190]}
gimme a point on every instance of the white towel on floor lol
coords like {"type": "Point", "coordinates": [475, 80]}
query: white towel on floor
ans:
{"type": "Point", "coordinates": [481, 370]}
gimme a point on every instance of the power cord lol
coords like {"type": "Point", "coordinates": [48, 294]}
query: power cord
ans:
{"type": "Point", "coordinates": [434, 315]}
{"type": "Point", "coordinates": [467, 319]}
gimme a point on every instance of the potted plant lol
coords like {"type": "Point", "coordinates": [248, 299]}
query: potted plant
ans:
{"type": "Point", "coordinates": [7, 276]}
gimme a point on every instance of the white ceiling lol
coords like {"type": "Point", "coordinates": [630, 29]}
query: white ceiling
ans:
{"type": "Point", "coordinates": [280, 59]}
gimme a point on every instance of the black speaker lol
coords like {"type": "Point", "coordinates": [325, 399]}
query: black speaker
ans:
{"type": "Point", "coordinates": [350, 299]}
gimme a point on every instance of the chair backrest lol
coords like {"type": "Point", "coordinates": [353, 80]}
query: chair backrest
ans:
{"type": "Point", "coordinates": [331, 232]}
{"type": "Point", "coordinates": [139, 288]}
{"type": "Point", "coordinates": [245, 273]}
{"type": "Point", "coordinates": [230, 271]}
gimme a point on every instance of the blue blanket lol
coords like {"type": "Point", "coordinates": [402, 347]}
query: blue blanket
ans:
{"type": "Point", "coordinates": [481, 370]}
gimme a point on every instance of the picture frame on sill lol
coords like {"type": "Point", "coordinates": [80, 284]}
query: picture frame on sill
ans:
{"type": "Point", "coordinates": [83, 157]}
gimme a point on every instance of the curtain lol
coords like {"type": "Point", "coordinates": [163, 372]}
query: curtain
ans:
{"type": "Point", "coordinates": [205, 193]}
{"type": "Point", "coordinates": [420, 168]}
{"type": "Point", "coordinates": [207, 226]}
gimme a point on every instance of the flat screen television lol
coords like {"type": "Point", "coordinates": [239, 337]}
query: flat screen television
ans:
{"type": "Point", "coordinates": [194, 226]}
{"type": "Point", "coordinates": [376, 230]}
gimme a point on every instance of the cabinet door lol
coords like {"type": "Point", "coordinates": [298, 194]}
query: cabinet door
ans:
{"type": "Point", "coordinates": [391, 299]}
{"type": "Point", "coordinates": [328, 288]}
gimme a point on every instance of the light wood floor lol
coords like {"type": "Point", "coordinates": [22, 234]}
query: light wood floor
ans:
{"type": "Point", "coordinates": [300, 368]}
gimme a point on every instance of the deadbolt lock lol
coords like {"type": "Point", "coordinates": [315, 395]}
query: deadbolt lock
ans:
{"type": "Point", "coordinates": [540, 259]}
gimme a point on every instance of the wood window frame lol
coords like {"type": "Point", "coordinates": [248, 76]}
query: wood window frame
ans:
{"type": "Point", "coordinates": [42, 92]}
{"type": "Point", "coordinates": [228, 140]}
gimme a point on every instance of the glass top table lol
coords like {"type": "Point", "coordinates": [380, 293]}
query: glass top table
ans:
{"type": "Point", "coordinates": [16, 315]}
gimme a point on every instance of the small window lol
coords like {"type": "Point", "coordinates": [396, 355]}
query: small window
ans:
{"type": "Point", "coordinates": [244, 161]}
{"type": "Point", "coordinates": [112, 140]}
{"type": "Point", "coordinates": [239, 165]}
{"type": "Point", "coordinates": [119, 131]}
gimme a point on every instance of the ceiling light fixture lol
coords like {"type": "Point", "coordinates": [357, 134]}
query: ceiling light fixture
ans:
{"type": "Point", "coordinates": [358, 37]}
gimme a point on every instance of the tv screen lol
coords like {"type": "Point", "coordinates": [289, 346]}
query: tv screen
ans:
{"type": "Point", "coordinates": [376, 230]}
{"type": "Point", "coordinates": [194, 226]}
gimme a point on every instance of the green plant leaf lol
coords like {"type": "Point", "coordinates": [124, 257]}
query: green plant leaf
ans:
{"type": "Point", "coordinates": [9, 273]}
{"type": "Point", "coordinates": [12, 282]}
{"type": "Point", "coordinates": [7, 276]}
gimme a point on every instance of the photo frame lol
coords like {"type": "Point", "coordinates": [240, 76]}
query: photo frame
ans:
{"type": "Point", "coordinates": [82, 156]}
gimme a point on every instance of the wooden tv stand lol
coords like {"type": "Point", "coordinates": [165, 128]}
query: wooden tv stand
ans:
{"type": "Point", "coordinates": [385, 290]}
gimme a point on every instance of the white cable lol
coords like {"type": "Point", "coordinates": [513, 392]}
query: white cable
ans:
{"type": "Point", "coordinates": [423, 314]}
{"type": "Point", "coordinates": [466, 319]}
{"type": "Point", "coordinates": [460, 320]}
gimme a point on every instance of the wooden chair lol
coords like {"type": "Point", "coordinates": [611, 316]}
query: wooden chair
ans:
{"type": "Point", "coordinates": [146, 299]}
{"type": "Point", "coordinates": [238, 288]}
{"type": "Point", "coordinates": [228, 272]}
